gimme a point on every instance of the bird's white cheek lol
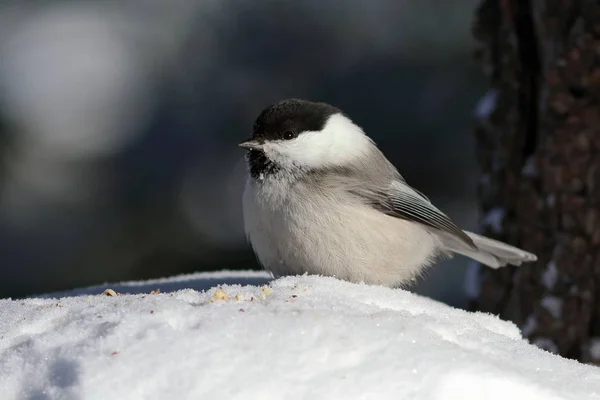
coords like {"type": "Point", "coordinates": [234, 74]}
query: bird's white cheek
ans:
{"type": "Point", "coordinates": [276, 153]}
{"type": "Point", "coordinates": [294, 154]}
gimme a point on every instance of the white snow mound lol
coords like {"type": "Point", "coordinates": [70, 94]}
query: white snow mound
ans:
{"type": "Point", "coordinates": [298, 338]}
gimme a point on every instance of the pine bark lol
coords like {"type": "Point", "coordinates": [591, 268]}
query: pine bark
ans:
{"type": "Point", "coordinates": [538, 147]}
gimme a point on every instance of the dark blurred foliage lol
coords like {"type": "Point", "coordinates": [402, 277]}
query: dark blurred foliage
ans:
{"type": "Point", "coordinates": [120, 123]}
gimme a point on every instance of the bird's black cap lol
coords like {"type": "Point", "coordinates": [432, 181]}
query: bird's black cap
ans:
{"type": "Point", "coordinates": [291, 117]}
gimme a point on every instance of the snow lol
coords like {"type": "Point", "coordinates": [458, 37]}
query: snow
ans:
{"type": "Point", "coordinates": [529, 327]}
{"type": "Point", "coordinates": [550, 275]}
{"type": "Point", "coordinates": [298, 338]}
{"type": "Point", "coordinates": [595, 348]}
{"type": "Point", "coordinates": [473, 280]}
{"type": "Point", "coordinates": [529, 169]}
{"type": "Point", "coordinates": [493, 219]}
{"type": "Point", "coordinates": [546, 344]}
{"type": "Point", "coordinates": [487, 105]}
{"type": "Point", "coordinates": [553, 305]}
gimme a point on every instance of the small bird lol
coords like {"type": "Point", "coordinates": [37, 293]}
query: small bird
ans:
{"type": "Point", "coordinates": [322, 199]}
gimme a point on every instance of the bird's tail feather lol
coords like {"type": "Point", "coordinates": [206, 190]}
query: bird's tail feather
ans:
{"type": "Point", "coordinates": [490, 252]}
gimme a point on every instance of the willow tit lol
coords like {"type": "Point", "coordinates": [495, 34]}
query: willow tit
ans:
{"type": "Point", "coordinates": [321, 198]}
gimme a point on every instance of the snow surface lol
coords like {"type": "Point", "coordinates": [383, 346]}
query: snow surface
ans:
{"type": "Point", "coordinates": [298, 338]}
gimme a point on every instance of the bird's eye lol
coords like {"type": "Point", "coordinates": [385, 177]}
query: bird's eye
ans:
{"type": "Point", "coordinates": [287, 135]}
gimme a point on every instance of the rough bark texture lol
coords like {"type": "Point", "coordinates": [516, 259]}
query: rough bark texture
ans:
{"type": "Point", "coordinates": [538, 135]}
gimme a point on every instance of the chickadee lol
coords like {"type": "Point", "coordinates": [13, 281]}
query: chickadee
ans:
{"type": "Point", "coordinates": [321, 198]}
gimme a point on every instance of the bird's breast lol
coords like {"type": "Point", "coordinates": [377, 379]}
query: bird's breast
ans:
{"type": "Point", "coordinates": [294, 230]}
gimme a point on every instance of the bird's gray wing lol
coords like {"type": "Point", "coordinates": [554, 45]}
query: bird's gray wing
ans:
{"type": "Point", "coordinates": [401, 201]}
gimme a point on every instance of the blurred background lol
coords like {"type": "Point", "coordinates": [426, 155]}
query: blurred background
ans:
{"type": "Point", "coordinates": [119, 124]}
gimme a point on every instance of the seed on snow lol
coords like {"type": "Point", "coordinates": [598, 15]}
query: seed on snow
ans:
{"type": "Point", "coordinates": [219, 295]}
{"type": "Point", "coordinates": [265, 291]}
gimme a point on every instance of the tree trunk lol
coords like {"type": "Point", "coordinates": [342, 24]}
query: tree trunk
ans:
{"type": "Point", "coordinates": [538, 146]}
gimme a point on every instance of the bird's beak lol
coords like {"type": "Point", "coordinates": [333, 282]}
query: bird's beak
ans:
{"type": "Point", "coordinates": [251, 144]}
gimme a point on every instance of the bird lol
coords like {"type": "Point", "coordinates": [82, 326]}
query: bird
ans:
{"type": "Point", "coordinates": [321, 198]}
